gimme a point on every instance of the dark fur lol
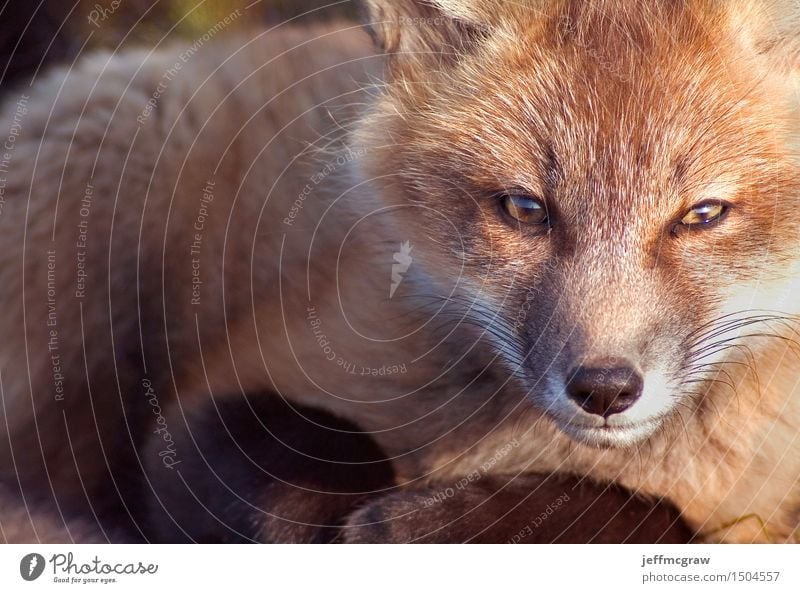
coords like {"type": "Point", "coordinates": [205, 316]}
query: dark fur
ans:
{"type": "Point", "coordinates": [260, 470]}
{"type": "Point", "coordinates": [519, 510]}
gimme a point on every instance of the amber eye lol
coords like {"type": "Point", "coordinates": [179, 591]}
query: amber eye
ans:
{"type": "Point", "coordinates": [525, 209]}
{"type": "Point", "coordinates": [705, 214]}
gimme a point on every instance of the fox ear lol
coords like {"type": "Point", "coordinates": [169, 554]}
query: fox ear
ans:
{"type": "Point", "coordinates": [771, 29]}
{"type": "Point", "coordinates": [426, 31]}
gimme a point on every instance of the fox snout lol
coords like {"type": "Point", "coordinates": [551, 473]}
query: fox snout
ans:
{"type": "Point", "coordinates": [604, 388]}
{"type": "Point", "coordinates": [603, 362]}
{"type": "Point", "coordinates": [607, 402]}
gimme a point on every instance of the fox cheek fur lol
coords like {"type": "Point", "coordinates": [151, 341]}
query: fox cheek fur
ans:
{"type": "Point", "coordinates": [614, 285]}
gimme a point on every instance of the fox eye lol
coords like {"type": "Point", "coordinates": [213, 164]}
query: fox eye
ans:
{"type": "Point", "coordinates": [525, 209]}
{"type": "Point", "coordinates": [705, 214]}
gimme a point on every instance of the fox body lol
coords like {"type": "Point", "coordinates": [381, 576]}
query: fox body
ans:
{"type": "Point", "coordinates": [437, 257]}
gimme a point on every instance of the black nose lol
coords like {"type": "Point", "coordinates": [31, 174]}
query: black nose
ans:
{"type": "Point", "coordinates": [605, 390]}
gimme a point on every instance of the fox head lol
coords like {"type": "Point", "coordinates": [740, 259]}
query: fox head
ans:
{"type": "Point", "coordinates": [614, 184]}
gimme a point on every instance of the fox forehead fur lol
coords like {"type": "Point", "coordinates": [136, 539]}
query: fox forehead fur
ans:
{"type": "Point", "coordinates": [620, 116]}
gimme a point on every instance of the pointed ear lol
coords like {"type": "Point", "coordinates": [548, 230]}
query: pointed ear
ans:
{"type": "Point", "coordinates": [771, 29]}
{"type": "Point", "coordinates": [425, 32]}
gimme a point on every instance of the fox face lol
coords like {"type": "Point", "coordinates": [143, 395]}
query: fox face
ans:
{"type": "Point", "coordinates": [612, 189]}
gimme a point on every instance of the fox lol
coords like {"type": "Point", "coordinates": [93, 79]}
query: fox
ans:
{"type": "Point", "coordinates": [501, 257]}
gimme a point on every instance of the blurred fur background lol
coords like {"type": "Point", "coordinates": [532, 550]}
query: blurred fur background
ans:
{"type": "Point", "coordinates": [37, 33]}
